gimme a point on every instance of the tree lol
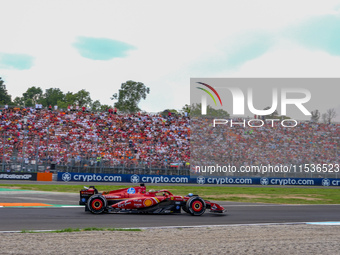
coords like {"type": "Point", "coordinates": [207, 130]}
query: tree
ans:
{"type": "Point", "coordinates": [62, 105]}
{"type": "Point", "coordinates": [324, 118]}
{"type": "Point", "coordinates": [273, 115]}
{"type": "Point", "coordinates": [104, 107]}
{"type": "Point", "coordinates": [195, 111]}
{"type": "Point", "coordinates": [330, 114]}
{"type": "Point", "coordinates": [129, 96]}
{"type": "Point", "coordinates": [52, 96]}
{"type": "Point", "coordinates": [166, 112]}
{"type": "Point", "coordinates": [5, 98]}
{"type": "Point", "coordinates": [70, 98]}
{"type": "Point", "coordinates": [315, 116]}
{"type": "Point", "coordinates": [95, 106]}
{"type": "Point", "coordinates": [18, 101]}
{"type": "Point", "coordinates": [82, 98]}
{"type": "Point", "coordinates": [32, 96]}
{"type": "Point", "coordinates": [186, 108]}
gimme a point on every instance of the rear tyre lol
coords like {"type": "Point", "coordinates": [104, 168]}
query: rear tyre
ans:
{"type": "Point", "coordinates": [97, 204]}
{"type": "Point", "coordinates": [196, 206]}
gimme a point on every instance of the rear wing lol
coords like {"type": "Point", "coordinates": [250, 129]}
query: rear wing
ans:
{"type": "Point", "coordinates": [86, 193]}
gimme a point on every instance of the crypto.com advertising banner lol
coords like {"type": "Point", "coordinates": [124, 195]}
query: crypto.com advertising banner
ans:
{"type": "Point", "coordinates": [265, 127]}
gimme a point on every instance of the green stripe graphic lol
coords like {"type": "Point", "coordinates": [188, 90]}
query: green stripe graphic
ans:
{"type": "Point", "coordinates": [208, 93]}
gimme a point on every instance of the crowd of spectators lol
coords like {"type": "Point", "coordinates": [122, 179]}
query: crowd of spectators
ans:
{"type": "Point", "coordinates": [78, 136]}
{"type": "Point", "coordinates": [274, 144]}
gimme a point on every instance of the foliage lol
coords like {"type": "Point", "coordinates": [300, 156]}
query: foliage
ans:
{"type": "Point", "coordinates": [95, 106]}
{"type": "Point", "coordinates": [324, 118]}
{"type": "Point", "coordinates": [166, 112]}
{"type": "Point", "coordinates": [5, 98]}
{"type": "Point", "coordinates": [315, 116]}
{"type": "Point", "coordinates": [104, 107]}
{"type": "Point", "coordinates": [19, 101]}
{"type": "Point", "coordinates": [195, 111]}
{"type": "Point", "coordinates": [70, 98]}
{"type": "Point", "coordinates": [130, 95]}
{"type": "Point", "coordinates": [62, 104]}
{"type": "Point", "coordinates": [32, 96]}
{"type": "Point", "coordinates": [273, 115]}
{"type": "Point", "coordinates": [330, 115]}
{"type": "Point", "coordinates": [82, 98]}
{"type": "Point", "coordinates": [186, 108]}
{"type": "Point", "coordinates": [52, 96]}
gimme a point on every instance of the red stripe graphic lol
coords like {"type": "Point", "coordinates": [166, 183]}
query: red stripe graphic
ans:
{"type": "Point", "coordinates": [212, 90]}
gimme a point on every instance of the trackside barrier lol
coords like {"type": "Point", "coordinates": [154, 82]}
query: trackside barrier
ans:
{"type": "Point", "coordinates": [138, 178]}
{"type": "Point", "coordinates": [46, 177]}
{"type": "Point", "coordinates": [19, 176]}
{"type": "Point", "coordinates": [132, 178]}
{"type": "Point", "coordinates": [26, 176]}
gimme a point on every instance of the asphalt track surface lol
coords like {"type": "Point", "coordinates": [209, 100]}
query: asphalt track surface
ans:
{"type": "Point", "coordinates": [52, 218]}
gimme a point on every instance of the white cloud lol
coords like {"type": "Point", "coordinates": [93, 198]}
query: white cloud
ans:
{"type": "Point", "coordinates": [171, 39]}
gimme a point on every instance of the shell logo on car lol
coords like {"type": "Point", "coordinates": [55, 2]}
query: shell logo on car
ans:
{"type": "Point", "coordinates": [148, 202]}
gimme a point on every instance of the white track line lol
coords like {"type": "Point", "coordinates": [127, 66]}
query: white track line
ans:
{"type": "Point", "coordinates": [326, 223]}
{"type": "Point", "coordinates": [226, 225]}
{"type": "Point", "coordinates": [336, 223]}
{"type": "Point", "coordinates": [71, 206]}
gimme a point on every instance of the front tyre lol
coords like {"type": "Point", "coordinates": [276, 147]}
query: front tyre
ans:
{"type": "Point", "coordinates": [97, 204]}
{"type": "Point", "coordinates": [196, 206]}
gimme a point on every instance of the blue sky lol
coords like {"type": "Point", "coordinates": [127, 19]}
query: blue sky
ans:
{"type": "Point", "coordinates": [319, 33]}
{"type": "Point", "coordinates": [98, 45]}
{"type": "Point", "coordinates": [16, 61]}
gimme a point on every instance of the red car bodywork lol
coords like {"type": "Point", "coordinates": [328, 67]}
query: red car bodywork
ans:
{"type": "Point", "coordinates": [137, 199]}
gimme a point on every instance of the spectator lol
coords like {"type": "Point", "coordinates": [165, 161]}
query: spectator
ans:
{"type": "Point", "coordinates": [156, 141]}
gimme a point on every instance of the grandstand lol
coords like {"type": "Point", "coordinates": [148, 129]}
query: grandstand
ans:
{"type": "Point", "coordinates": [104, 142]}
{"type": "Point", "coordinates": [309, 143]}
{"type": "Point", "coordinates": [34, 140]}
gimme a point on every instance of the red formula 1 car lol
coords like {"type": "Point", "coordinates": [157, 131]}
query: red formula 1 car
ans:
{"type": "Point", "coordinates": [137, 199]}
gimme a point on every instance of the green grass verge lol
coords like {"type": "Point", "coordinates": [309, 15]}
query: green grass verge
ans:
{"type": "Point", "coordinates": [280, 195]}
{"type": "Point", "coordinates": [68, 230]}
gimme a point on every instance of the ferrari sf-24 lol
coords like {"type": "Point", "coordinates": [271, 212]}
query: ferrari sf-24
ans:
{"type": "Point", "coordinates": [138, 200]}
